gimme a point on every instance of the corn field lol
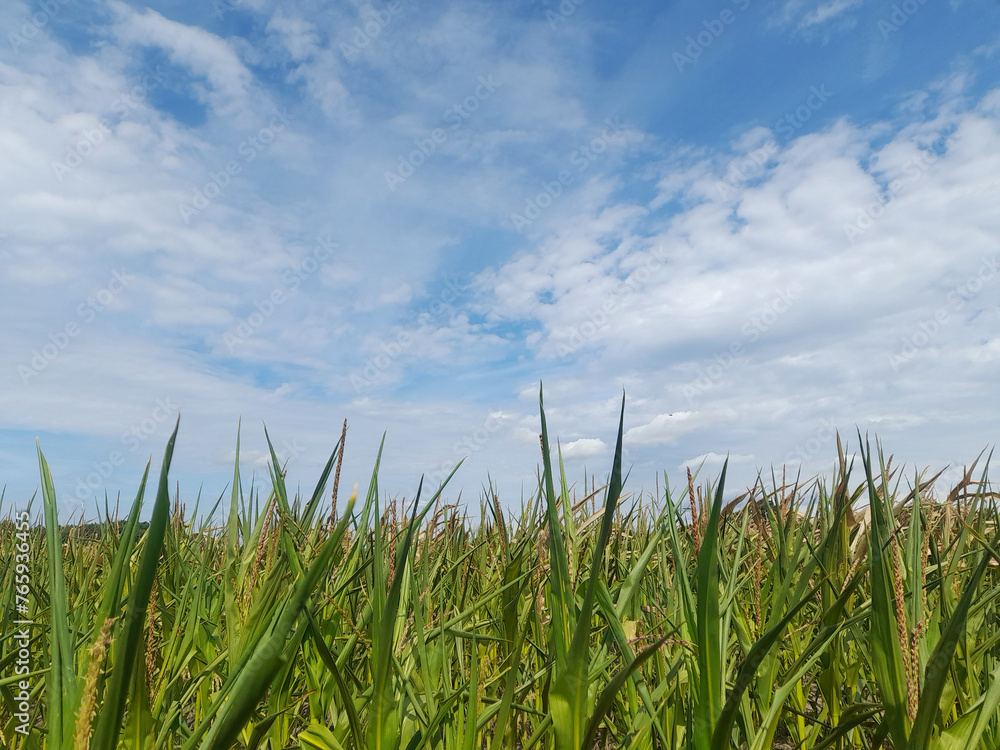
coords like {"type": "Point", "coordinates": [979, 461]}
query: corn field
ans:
{"type": "Point", "coordinates": [861, 610]}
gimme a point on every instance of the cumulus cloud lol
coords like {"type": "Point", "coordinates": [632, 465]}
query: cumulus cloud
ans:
{"type": "Point", "coordinates": [754, 286]}
{"type": "Point", "coordinates": [584, 448]}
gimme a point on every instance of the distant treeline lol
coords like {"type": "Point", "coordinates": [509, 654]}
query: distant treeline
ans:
{"type": "Point", "coordinates": [88, 531]}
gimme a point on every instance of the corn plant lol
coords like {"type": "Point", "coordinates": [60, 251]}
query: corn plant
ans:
{"type": "Point", "coordinates": [861, 610]}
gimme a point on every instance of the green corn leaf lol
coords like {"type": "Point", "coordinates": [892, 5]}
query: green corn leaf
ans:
{"type": "Point", "coordinates": [887, 658]}
{"type": "Point", "coordinates": [711, 688]}
{"type": "Point", "coordinates": [130, 629]}
{"type": "Point", "coordinates": [745, 674]}
{"type": "Point", "coordinates": [939, 663]}
{"type": "Point", "coordinates": [269, 655]}
{"type": "Point", "coordinates": [607, 696]}
{"type": "Point", "coordinates": [62, 692]}
{"type": "Point", "coordinates": [569, 696]}
{"type": "Point", "coordinates": [562, 593]}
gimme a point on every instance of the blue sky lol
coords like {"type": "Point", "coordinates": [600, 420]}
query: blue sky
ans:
{"type": "Point", "coordinates": [766, 221]}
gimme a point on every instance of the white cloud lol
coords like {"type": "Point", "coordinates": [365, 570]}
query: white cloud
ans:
{"type": "Point", "coordinates": [713, 461]}
{"type": "Point", "coordinates": [806, 16]}
{"type": "Point", "coordinates": [741, 321]}
{"type": "Point", "coordinates": [811, 314]}
{"type": "Point", "coordinates": [667, 429]}
{"type": "Point", "coordinates": [526, 435]}
{"type": "Point", "coordinates": [584, 448]}
{"type": "Point", "coordinates": [828, 11]}
{"type": "Point", "coordinates": [198, 50]}
{"type": "Point", "coordinates": [315, 65]}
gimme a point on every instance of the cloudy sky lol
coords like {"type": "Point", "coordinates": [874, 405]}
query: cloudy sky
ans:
{"type": "Point", "coordinates": [765, 220]}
